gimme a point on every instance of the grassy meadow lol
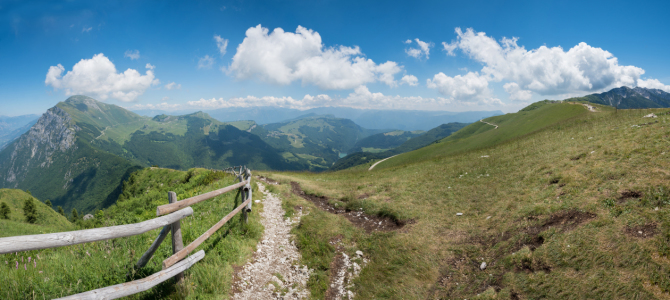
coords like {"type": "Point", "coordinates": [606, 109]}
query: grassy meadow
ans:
{"type": "Point", "coordinates": [560, 203]}
{"type": "Point", "coordinates": [58, 272]}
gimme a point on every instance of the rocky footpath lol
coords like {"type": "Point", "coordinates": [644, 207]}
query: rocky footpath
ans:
{"type": "Point", "coordinates": [274, 272]}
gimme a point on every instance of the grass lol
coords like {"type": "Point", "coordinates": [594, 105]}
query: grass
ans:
{"type": "Point", "coordinates": [507, 200]}
{"type": "Point", "coordinates": [74, 269]}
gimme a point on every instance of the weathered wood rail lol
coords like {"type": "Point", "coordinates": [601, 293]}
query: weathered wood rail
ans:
{"type": "Point", "coordinates": [173, 266]}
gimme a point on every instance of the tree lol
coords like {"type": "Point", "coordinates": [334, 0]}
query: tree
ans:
{"type": "Point", "coordinates": [4, 211]}
{"type": "Point", "coordinates": [29, 210]}
{"type": "Point", "coordinates": [48, 203]}
{"type": "Point", "coordinates": [75, 216]}
{"type": "Point", "coordinates": [61, 211]}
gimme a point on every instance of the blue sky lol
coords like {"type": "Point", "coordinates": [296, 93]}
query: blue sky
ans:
{"type": "Point", "coordinates": [481, 55]}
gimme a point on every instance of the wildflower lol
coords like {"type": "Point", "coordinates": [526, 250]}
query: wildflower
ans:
{"type": "Point", "coordinates": [29, 258]}
{"type": "Point", "coordinates": [40, 272]}
{"type": "Point", "coordinates": [88, 253]}
{"type": "Point", "coordinates": [17, 265]}
{"type": "Point", "coordinates": [25, 267]}
{"type": "Point", "coordinates": [35, 264]}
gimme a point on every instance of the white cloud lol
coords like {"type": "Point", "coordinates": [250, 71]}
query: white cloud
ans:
{"type": "Point", "coordinates": [423, 50]}
{"type": "Point", "coordinates": [173, 86]}
{"type": "Point", "coordinates": [410, 80]}
{"type": "Point", "coordinates": [546, 70]}
{"type": "Point", "coordinates": [205, 62]}
{"type": "Point", "coordinates": [161, 106]}
{"type": "Point", "coordinates": [469, 87]}
{"type": "Point", "coordinates": [132, 54]}
{"type": "Point", "coordinates": [653, 84]}
{"type": "Point", "coordinates": [360, 98]}
{"type": "Point", "coordinates": [87, 29]}
{"type": "Point", "coordinates": [516, 93]}
{"type": "Point", "coordinates": [98, 77]}
{"type": "Point", "coordinates": [150, 66]}
{"type": "Point", "coordinates": [166, 98]}
{"type": "Point", "coordinates": [283, 57]}
{"type": "Point", "coordinates": [408, 42]}
{"type": "Point", "coordinates": [221, 43]}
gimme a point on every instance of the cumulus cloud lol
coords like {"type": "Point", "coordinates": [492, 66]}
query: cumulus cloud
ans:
{"type": "Point", "coordinates": [132, 54]}
{"type": "Point", "coordinates": [150, 66]}
{"type": "Point", "coordinates": [173, 86]}
{"type": "Point", "coordinates": [221, 43]}
{"type": "Point", "coordinates": [546, 70]}
{"type": "Point", "coordinates": [284, 57]}
{"type": "Point", "coordinates": [653, 84]}
{"type": "Point", "coordinates": [98, 77]}
{"type": "Point", "coordinates": [205, 62]}
{"type": "Point", "coordinates": [516, 93]}
{"type": "Point", "coordinates": [410, 80]}
{"type": "Point", "coordinates": [471, 86]}
{"type": "Point", "coordinates": [423, 50]}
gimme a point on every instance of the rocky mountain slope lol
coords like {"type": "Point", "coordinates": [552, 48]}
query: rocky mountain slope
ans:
{"type": "Point", "coordinates": [625, 97]}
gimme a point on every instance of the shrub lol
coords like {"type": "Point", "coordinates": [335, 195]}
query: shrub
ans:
{"type": "Point", "coordinates": [61, 211]}
{"type": "Point", "coordinates": [4, 211]}
{"type": "Point", "coordinates": [48, 203]}
{"type": "Point", "coordinates": [75, 215]}
{"type": "Point", "coordinates": [30, 211]}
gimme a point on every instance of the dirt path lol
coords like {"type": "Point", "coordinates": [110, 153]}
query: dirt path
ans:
{"type": "Point", "coordinates": [373, 166]}
{"type": "Point", "coordinates": [273, 273]}
{"type": "Point", "coordinates": [489, 123]}
{"type": "Point", "coordinates": [590, 107]}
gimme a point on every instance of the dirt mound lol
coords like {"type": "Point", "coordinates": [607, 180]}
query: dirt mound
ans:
{"type": "Point", "coordinates": [359, 218]}
{"type": "Point", "coordinates": [642, 231]}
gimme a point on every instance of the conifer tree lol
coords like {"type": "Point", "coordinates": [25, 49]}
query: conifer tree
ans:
{"type": "Point", "coordinates": [61, 211]}
{"type": "Point", "coordinates": [75, 216]}
{"type": "Point", "coordinates": [30, 211]}
{"type": "Point", "coordinates": [4, 211]}
{"type": "Point", "coordinates": [48, 203]}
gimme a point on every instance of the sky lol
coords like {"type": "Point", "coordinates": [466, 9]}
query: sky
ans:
{"type": "Point", "coordinates": [416, 55]}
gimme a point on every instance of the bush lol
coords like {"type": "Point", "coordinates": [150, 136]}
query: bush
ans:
{"type": "Point", "coordinates": [4, 211]}
{"type": "Point", "coordinates": [75, 215]}
{"type": "Point", "coordinates": [48, 203]}
{"type": "Point", "coordinates": [61, 211]}
{"type": "Point", "coordinates": [30, 211]}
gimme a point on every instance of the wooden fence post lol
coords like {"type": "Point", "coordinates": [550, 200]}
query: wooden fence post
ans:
{"type": "Point", "coordinates": [243, 196]}
{"type": "Point", "coordinates": [177, 243]}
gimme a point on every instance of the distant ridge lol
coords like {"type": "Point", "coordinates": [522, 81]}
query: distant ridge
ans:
{"type": "Point", "coordinates": [625, 98]}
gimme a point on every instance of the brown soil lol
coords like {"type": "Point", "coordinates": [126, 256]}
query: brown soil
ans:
{"type": "Point", "coordinates": [335, 266]}
{"type": "Point", "coordinates": [359, 218]}
{"type": "Point", "coordinates": [629, 194]}
{"type": "Point", "coordinates": [642, 231]}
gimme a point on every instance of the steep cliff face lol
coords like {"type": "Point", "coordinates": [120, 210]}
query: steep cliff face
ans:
{"type": "Point", "coordinates": [53, 132]}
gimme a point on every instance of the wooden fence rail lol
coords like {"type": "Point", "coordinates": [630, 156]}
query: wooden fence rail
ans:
{"type": "Point", "coordinates": [61, 239]}
{"type": "Point", "coordinates": [173, 266]}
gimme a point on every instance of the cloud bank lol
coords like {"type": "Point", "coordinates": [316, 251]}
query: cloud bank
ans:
{"type": "Point", "coordinates": [545, 70]}
{"type": "Point", "coordinates": [98, 77]}
{"type": "Point", "coordinates": [284, 57]}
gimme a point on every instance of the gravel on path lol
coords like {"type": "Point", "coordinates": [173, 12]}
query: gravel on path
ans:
{"type": "Point", "coordinates": [273, 272]}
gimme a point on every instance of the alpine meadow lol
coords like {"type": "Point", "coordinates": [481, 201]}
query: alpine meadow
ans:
{"type": "Point", "coordinates": [334, 150]}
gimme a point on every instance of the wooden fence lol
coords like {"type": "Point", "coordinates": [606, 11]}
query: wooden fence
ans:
{"type": "Point", "coordinates": [171, 213]}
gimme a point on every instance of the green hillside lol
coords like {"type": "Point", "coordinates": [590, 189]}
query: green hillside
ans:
{"type": "Point", "coordinates": [64, 271]}
{"type": "Point", "coordinates": [570, 204]}
{"type": "Point", "coordinates": [480, 135]}
{"type": "Point", "coordinates": [318, 140]}
{"type": "Point", "coordinates": [425, 139]}
{"type": "Point", "coordinates": [79, 153]}
{"type": "Point", "coordinates": [381, 142]}
{"type": "Point", "coordinates": [48, 220]}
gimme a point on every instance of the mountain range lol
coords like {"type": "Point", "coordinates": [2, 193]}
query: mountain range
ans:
{"type": "Point", "coordinates": [368, 118]}
{"type": "Point", "coordinates": [625, 97]}
{"type": "Point", "coordinates": [13, 127]}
